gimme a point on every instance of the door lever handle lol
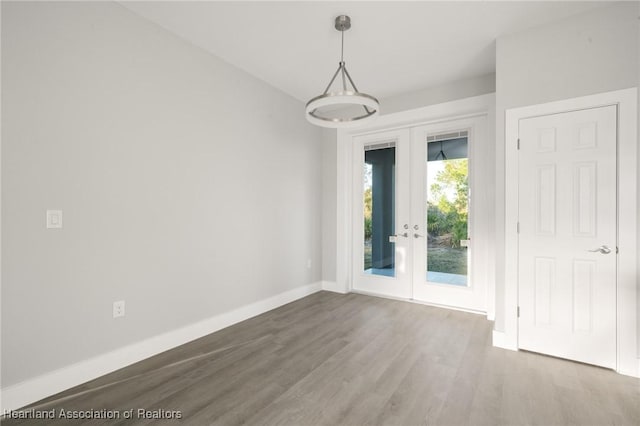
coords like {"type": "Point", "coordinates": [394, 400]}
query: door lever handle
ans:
{"type": "Point", "coordinates": [602, 249]}
{"type": "Point", "coordinates": [417, 235]}
{"type": "Point", "coordinates": [404, 234]}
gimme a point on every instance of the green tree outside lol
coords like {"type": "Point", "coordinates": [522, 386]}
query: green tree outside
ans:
{"type": "Point", "coordinates": [367, 213]}
{"type": "Point", "coordinates": [448, 205]}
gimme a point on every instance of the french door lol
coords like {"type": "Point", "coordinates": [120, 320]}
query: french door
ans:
{"type": "Point", "coordinates": [413, 214]}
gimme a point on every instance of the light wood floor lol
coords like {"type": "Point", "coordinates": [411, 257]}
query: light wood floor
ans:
{"type": "Point", "coordinates": [331, 359]}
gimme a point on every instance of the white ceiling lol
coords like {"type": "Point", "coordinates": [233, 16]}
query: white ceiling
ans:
{"type": "Point", "coordinates": [392, 47]}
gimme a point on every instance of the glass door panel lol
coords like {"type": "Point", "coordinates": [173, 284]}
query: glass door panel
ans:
{"type": "Point", "coordinates": [379, 210]}
{"type": "Point", "coordinates": [447, 211]}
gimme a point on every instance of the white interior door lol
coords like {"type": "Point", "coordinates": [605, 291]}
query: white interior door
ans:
{"type": "Point", "coordinates": [443, 214]}
{"type": "Point", "coordinates": [567, 235]}
{"type": "Point", "coordinates": [381, 243]}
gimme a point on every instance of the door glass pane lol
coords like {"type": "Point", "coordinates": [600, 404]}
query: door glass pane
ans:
{"type": "Point", "coordinates": [447, 211]}
{"type": "Point", "coordinates": [379, 209]}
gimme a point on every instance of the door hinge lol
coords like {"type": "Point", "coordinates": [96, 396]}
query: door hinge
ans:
{"type": "Point", "coordinates": [518, 143]}
{"type": "Point", "coordinates": [518, 311]}
{"type": "Point", "coordinates": [518, 227]}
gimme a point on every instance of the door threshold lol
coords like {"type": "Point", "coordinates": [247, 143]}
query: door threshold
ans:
{"type": "Point", "coordinates": [419, 302]}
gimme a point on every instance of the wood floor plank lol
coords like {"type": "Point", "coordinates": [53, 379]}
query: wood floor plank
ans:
{"type": "Point", "coordinates": [332, 359]}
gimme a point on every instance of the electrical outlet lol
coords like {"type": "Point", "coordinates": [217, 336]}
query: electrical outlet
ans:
{"type": "Point", "coordinates": [118, 309]}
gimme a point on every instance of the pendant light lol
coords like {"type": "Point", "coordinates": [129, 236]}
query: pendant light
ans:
{"type": "Point", "coordinates": [366, 105]}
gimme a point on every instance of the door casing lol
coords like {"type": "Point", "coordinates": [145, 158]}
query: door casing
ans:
{"type": "Point", "coordinates": [627, 306]}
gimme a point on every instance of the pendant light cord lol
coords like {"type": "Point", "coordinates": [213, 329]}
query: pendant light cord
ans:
{"type": "Point", "coordinates": [344, 79]}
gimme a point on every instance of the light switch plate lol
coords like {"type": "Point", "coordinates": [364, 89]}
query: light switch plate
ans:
{"type": "Point", "coordinates": [54, 219]}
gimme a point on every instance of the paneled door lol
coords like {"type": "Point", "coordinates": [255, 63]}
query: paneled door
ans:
{"type": "Point", "coordinates": [567, 235]}
{"type": "Point", "coordinates": [382, 244]}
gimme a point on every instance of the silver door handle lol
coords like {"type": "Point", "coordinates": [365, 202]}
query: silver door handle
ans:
{"type": "Point", "coordinates": [405, 234]}
{"type": "Point", "coordinates": [602, 249]}
{"type": "Point", "coordinates": [417, 235]}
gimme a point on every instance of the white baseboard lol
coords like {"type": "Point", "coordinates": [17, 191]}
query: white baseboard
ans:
{"type": "Point", "coordinates": [32, 390]}
{"type": "Point", "coordinates": [501, 340]}
{"type": "Point", "coordinates": [631, 369]}
{"type": "Point", "coordinates": [333, 286]}
{"type": "Point", "coordinates": [635, 374]}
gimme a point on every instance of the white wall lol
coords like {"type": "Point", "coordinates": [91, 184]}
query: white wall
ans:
{"type": "Point", "coordinates": [460, 89]}
{"type": "Point", "coordinates": [189, 188]}
{"type": "Point", "coordinates": [329, 216]}
{"type": "Point", "coordinates": [586, 54]}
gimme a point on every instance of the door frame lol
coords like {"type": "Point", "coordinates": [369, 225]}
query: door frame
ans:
{"type": "Point", "coordinates": [433, 114]}
{"type": "Point", "coordinates": [626, 101]}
